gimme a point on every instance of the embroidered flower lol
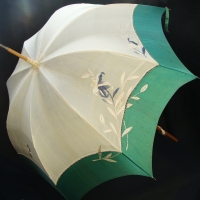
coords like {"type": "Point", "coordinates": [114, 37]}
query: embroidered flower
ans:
{"type": "Point", "coordinates": [99, 86]}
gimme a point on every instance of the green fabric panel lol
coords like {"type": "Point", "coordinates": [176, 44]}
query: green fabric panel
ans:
{"type": "Point", "coordinates": [143, 115]}
{"type": "Point", "coordinates": [147, 23]}
{"type": "Point", "coordinates": [85, 174]}
{"type": "Point", "coordinates": [162, 82]}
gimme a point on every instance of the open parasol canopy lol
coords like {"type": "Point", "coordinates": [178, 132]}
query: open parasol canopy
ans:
{"type": "Point", "coordinates": [85, 107]}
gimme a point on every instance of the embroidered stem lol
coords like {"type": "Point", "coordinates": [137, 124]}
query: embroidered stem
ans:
{"type": "Point", "coordinates": [132, 74]}
{"type": "Point", "coordinates": [126, 136]}
{"type": "Point", "coordinates": [111, 97]}
{"type": "Point", "coordinates": [119, 129]}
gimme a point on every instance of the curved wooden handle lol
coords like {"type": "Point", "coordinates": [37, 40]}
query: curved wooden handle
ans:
{"type": "Point", "coordinates": [165, 133]}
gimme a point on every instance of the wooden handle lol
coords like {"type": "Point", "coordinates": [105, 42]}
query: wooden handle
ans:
{"type": "Point", "coordinates": [171, 136]}
{"type": "Point", "coordinates": [34, 63]}
{"type": "Point", "coordinates": [17, 54]}
{"type": "Point", "coordinates": [165, 133]}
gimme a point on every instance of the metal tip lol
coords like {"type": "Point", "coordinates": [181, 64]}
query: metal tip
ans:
{"type": "Point", "coordinates": [1, 45]}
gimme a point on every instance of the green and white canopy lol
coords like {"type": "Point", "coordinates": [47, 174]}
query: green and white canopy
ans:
{"type": "Point", "coordinates": [88, 112]}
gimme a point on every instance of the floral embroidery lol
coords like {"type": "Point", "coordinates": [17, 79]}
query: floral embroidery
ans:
{"type": "Point", "coordinates": [98, 85]}
{"type": "Point", "coordinates": [112, 98]}
{"type": "Point", "coordinates": [134, 97]}
{"type": "Point", "coordinates": [132, 44]}
{"type": "Point", "coordinates": [107, 158]}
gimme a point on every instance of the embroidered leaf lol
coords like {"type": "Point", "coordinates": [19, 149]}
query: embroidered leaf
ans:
{"type": "Point", "coordinates": [110, 160]}
{"type": "Point", "coordinates": [143, 50]}
{"type": "Point", "coordinates": [144, 88]}
{"type": "Point", "coordinates": [102, 93]}
{"type": "Point", "coordinates": [122, 78]}
{"type": "Point", "coordinates": [108, 156]}
{"type": "Point", "coordinates": [113, 127]}
{"type": "Point", "coordinates": [111, 112]}
{"type": "Point", "coordinates": [129, 92]}
{"type": "Point", "coordinates": [90, 73]}
{"type": "Point", "coordinates": [85, 76]}
{"type": "Point", "coordinates": [99, 152]}
{"type": "Point", "coordinates": [119, 106]}
{"type": "Point", "coordinates": [129, 105]}
{"type": "Point", "coordinates": [108, 101]}
{"type": "Point", "coordinates": [115, 92]}
{"type": "Point", "coordinates": [119, 98]}
{"type": "Point", "coordinates": [95, 90]}
{"type": "Point", "coordinates": [120, 110]}
{"type": "Point", "coordinates": [107, 131]}
{"type": "Point", "coordinates": [126, 131]}
{"type": "Point", "coordinates": [104, 100]}
{"type": "Point", "coordinates": [135, 98]}
{"type": "Point", "coordinates": [104, 84]}
{"type": "Point", "coordinates": [102, 119]}
{"type": "Point", "coordinates": [124, 124]}
{"type": "Point", "coordinates": [100, 155]}
{"type": "Point", "coordinates": [132, 78]}
{"type": "Point", "coordinates": [130, 41]}
{"type": "Point", "coordinates": [95, 160]}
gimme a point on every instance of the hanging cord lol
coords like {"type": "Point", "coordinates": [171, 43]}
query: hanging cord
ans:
{"type": "Point", "coordinates": [166, 19]}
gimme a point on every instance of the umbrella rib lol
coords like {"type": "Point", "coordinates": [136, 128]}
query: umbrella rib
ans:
{"type": "Point", "coordinates": [21, 84]}
{"type": "Point", "coordinates": [170, 68]}
{"type": "Point", "coordinates": [11, 106]}
{"type": "Point", "coordinates": [33, 142]}
{"type": "Point", "coordinates": [77, 17]}
{"type": "Point", "coordinates": [19, 72]}
{"type": "Point", "coordinates": [89, 51]}
{"type": "Point", "coordinates": [113, 145]}
{"type": "Point", "coordinates": [137, 165]}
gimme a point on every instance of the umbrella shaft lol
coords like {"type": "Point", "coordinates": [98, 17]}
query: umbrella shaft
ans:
{"type": "Point", "coordinates": [17, 54]}
{"type": "Point", "coordinates": [27, 59]}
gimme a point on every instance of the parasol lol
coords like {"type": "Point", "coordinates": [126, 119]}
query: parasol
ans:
{"type": "Point", "coordinates": [86, 108]}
